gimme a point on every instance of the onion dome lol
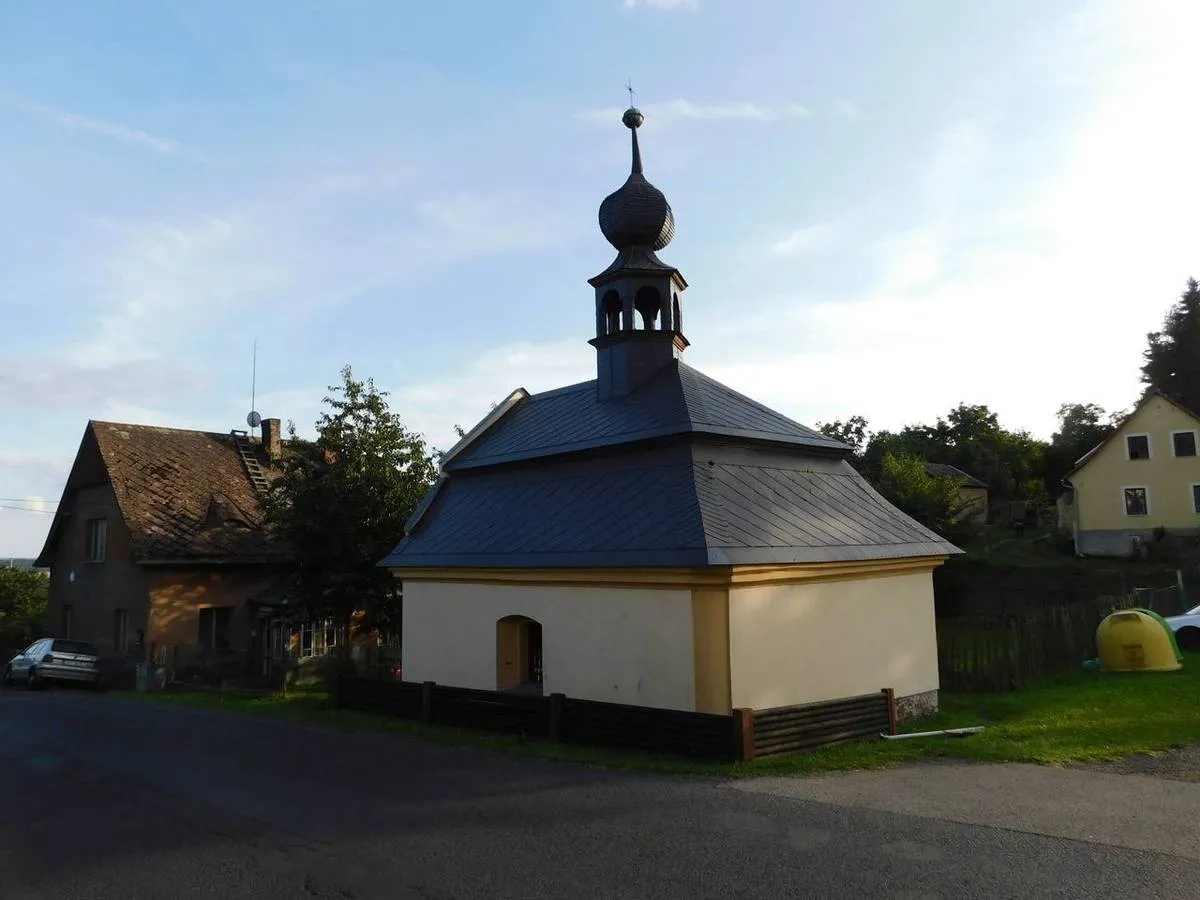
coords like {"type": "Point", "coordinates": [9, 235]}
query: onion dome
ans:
{"type": "Point", "coordinates": [636, 214]}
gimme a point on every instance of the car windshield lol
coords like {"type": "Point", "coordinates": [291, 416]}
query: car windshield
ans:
{"type": "Point", "coordinates": [73, 647]}
{"type": "Point", "coordinates": [1194, 611]}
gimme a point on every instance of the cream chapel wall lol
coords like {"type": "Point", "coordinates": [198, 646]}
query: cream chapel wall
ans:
{"type": "Point", "coordinates": [622, 645]}
{"type": "Point", "coordinates": [805, 642]}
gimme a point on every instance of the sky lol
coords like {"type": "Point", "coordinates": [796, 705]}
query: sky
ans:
{"type": "Point", "coordinates": [882, 209]}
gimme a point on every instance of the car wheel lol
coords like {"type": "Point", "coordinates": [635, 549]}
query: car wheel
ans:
{"type": "Point", "coordinates": [1188, 639]}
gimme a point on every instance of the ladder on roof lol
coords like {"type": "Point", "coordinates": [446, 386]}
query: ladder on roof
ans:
{"type": "Point", "coordinates": [254, 468]}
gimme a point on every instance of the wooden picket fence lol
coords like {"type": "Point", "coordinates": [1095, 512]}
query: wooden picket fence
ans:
{"type": "Point", "coordinates": [1005, 654]}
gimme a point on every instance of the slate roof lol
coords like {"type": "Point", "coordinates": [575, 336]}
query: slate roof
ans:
{"type": "Point", "coordinates": [183, 495]}
{"type": "Point", "coordinates": [687, 505]}
{"type": "Point", "coordinates": [943, 470]}
{"type": "Point", "coordinates": [678, 401]}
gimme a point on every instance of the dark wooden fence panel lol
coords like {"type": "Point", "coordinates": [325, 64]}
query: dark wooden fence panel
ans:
{"type": "Point", "coordinates": [392, 698]}
{"type": "Point", "coordinates": [790, 729]}
{"type": "Point", "coordinates": [492, 711]}
{"type": "Point", "coordinates": [699, 735]}
{"type": "Point", "coordinates": [744, 735]}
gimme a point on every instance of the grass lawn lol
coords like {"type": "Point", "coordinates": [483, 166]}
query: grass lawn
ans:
{"type": "Point", "coordinates": [1088, 717]}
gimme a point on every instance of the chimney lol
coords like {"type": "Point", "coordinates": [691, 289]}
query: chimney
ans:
{"type": "Point", "coordinates": [272, 437]}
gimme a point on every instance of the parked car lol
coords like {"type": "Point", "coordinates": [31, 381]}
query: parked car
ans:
{"type": "Point", "coordinates": [1186, 628]}
{"type": "Point", "coordinates": [53, 660]}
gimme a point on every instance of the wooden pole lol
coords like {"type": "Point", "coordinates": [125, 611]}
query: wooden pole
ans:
{"type": "Point", "coordinates": [890, 694]}
{"type": "Point", "coordinates": [427, 701]}
{"type": "Point", "coordinates": [558, 704]}
{"type": "Point", "coordinates": [743, 735]}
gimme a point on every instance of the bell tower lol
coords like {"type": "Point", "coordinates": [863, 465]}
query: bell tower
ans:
{"type": "Point", "coordinates": [639, 315]}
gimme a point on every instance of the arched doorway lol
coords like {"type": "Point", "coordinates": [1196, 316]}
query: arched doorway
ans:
{"type": "Point", "coordinates": [519, 654]}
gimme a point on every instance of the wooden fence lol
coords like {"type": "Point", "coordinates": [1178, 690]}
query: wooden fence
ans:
{"type": "Point", "coordinates": [790, 729]}
{"type": "Point", "coordinates": [1004, 654]}
{"type": "Point", "coordinates": [742, 736]}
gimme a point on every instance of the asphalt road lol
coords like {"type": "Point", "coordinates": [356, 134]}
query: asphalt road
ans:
{"type": "Point", "coordinates": [109, 797]}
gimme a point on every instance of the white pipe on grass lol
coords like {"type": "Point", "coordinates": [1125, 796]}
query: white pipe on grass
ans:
{"type": "Point", "coordinates": [948, 732]}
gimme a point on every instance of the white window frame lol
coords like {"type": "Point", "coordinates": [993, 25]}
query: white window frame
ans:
{"type": "Point", "coordinates": [1195, 442]}
{"type": "Point", "coordinates": [97, 540]}
{"type": "Point", "coordinates": [319, 633]}
{"type": "Point", "coordinates": [1192, 497]}
{"type": "Point", "coordinates": [1125, 505]}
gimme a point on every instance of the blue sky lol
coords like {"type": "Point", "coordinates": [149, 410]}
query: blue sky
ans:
{"type": "Point", "coordinates": [882, 208]}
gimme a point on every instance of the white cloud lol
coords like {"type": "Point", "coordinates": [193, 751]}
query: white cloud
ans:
{"type": "Point", "coordinates": [49, 384]}
{"type": "Point", "coordinates": [805, 240]}
{"type": "Point", "coordinates": [117, 131]}
{"type": "Point", "coordinates": [660, 4]}
{"type": "Point", "coordinates": [686, 110]}
{"type": "Point", "coordinates": [482, 224]}
{"type": "Point", "coordinates": [849, 109]}
{"type": "Point", "coordinates": [1026, 301]}
{"type": "Point", "coordinates": [161, 286]}
{"type": "Point", "coordinates": [435, 407]}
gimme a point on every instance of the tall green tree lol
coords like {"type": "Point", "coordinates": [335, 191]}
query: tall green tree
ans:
{"type": "Point", "coordinates": [853, 433]}
{"type": "Point", "coordinates": [1172, 356]}
{"type": "Point", "coordinates": [24, 599]}
{"type": "Point", "coordinates": [970, 438]}
{"type": "Point", "coordinates": [341, 503]}
{"type": "Point", "coordinates": [1081, 426]}
{"type": "Point", "coordinates": [932, 501]}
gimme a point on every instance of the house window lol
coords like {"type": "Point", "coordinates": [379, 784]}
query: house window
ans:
{"type": "Point", "coordinates": [1137, 501]}
{"type": "Point", "coordinates": [1184, 442]}
{"type": "Point", "coordinates": [1137, 446]}
{"type": "Point", "coordinates": [215, 622]}
{"type": "Point", "coordinates": [68, 614]}
{"type": "Point", "coordinates": [1196, 498]}
{"type": "Point", "coordinates": [317, 638]}
{"type": "Point", "coordinates": [97, 539]}
{"type": "Point", "coordinates": [120, 630]}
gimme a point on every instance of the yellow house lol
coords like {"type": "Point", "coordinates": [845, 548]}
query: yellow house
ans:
{"type": "Point", "coordinates": [652, 537]}
{"type": "Point", "coordinates": [1144, 476]}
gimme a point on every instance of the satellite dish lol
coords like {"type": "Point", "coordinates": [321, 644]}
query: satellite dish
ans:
{"type": "Point", "coordinates": [253, 419]}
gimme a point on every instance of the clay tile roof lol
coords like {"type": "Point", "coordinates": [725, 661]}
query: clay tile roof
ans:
{"type": "Point", "coordinates": [184, 494]}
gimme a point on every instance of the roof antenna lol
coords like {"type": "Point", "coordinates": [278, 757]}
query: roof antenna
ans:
{"type": "Point", "coordinates": [253, 419]}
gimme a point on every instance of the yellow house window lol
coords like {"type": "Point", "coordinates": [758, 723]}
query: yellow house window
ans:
{"type": "Point", "coordinates": [1137, 446]}
{"type": "Point", "coordinates": [1184, 443]}
{"type": "Point", "coordinates": [1137, 501]}
{"type": "Point", "coordinates": [1196, 498]}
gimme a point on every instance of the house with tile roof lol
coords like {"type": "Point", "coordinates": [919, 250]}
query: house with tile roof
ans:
{"type": "Point", "coordinates": [653, 537]}
{"type": "Point", "coordinates": [158, 552]}
{"type": "Point", "coordinates": [1142, 477]}
{"type": "Point", "coordinates": [972, 492]}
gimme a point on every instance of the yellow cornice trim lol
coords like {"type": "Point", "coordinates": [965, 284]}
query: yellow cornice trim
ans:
{"type": "Point", "coordinates": [680, 578]}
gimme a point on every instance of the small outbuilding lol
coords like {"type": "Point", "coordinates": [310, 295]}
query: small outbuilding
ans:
{"type": "Point", "coordinates": [653, 537]}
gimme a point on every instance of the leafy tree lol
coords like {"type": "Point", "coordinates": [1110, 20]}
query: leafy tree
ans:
{"type": "Point", "coordinates": [971, 439]}
{"type": "Point", "coordinates": [932, 501]}
{"type": "Point", "coordinates": [341, 503]}
{"type": "Point", "coordinates": [24, 598]}
{"type": "Point", "coordinates": [1081, 426]}
{"type": "Point", "coordinates": [853, 432]}
{"type": "Point", "coordinates": [1172, 355]}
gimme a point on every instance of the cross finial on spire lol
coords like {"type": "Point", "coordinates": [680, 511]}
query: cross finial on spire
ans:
{"type": "Point", "coordinates": [632, 92]}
